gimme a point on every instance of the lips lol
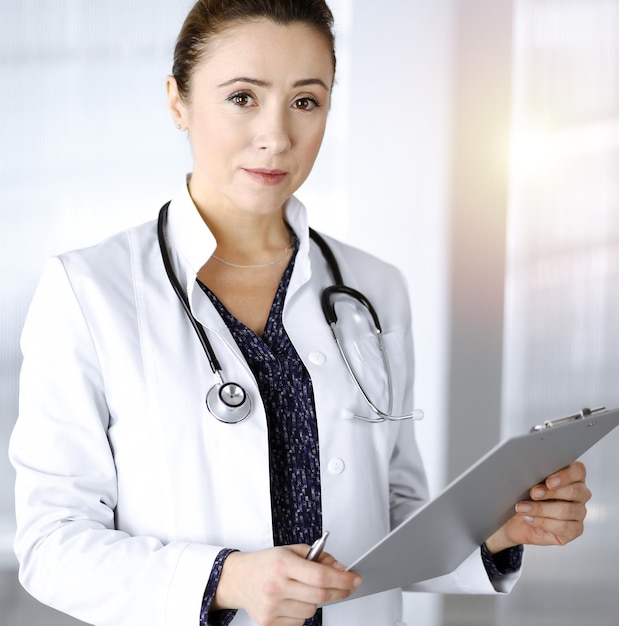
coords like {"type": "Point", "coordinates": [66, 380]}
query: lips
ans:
{"type": "Point", "coordinates": [266, 176]}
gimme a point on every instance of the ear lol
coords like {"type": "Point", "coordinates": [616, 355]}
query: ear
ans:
{"type": "Point", "coordinates": [177, 107]}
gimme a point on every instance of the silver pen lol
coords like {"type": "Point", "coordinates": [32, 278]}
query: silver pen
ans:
{"type": "Point", "coordinates": [317, 547]}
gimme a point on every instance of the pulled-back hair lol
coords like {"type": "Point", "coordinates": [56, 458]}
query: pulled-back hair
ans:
{"type": "Point", "coordinates": [208, 18]}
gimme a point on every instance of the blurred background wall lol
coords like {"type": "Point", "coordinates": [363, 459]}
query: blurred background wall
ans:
{"type": "Point", "coordinates": [474, 143]}
{"type": "Point", "coordinates": [562, 296]}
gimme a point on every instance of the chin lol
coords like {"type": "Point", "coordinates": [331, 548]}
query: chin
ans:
{"type": "Point", "coordinates": [262, 203]}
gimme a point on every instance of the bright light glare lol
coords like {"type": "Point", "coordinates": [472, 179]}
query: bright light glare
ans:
{"type": "Point", "coordinates": [540, 148]}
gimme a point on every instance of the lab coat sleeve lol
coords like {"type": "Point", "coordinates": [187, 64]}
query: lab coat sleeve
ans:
{"type": "Point", "coordinates": [470, 577]}
{"type": "Point", "coordinates": [71, 557]}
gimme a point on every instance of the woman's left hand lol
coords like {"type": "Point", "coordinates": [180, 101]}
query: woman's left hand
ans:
{"type": "Point", "coordinates": [554, 515]}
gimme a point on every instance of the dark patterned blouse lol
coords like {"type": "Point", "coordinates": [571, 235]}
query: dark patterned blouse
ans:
{"type": "Point", "coordinates": [286, 392]}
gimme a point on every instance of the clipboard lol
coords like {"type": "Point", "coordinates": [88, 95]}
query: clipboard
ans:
{"type": "Point", "coordinates": [438, 537]}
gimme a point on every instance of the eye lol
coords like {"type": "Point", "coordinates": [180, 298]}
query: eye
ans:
{"type": "Point", "coordinates": [306, 104]}
{"type": "Point", "coordinates": [241, 99]}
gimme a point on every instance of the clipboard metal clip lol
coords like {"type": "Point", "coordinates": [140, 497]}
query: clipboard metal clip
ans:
{"type": "Point", "coordinates": [584, 414]}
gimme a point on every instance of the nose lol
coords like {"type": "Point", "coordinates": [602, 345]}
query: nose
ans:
{"type": "Point", "coordinates": [273, 132]}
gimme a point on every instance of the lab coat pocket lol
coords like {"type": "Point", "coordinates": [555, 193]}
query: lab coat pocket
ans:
{"type": "Point", "coordinates": [401, 369]}
{"type": "Point", "coordinates": [377, 368]}
{"type": "Point", "coordinates": [365, 359]}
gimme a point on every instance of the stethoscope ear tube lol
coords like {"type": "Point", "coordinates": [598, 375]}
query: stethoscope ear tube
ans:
{"type": "Point", "coordinates": [228, 402]}
{"type": "Point", "coordinates": [178, 289]}
{"type": "Point", "coordinates": [328, 304]}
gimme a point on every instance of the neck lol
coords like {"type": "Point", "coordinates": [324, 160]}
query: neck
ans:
{"type": "Point", "coordinates": [243, 237]}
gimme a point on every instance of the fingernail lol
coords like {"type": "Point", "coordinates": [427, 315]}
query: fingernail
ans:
{"type": "Point", "coordinates": [357, 582]}
{"type": "Point", "coordinates": [538, 492]}
{"type": "Point", "coordinates": [523, 507]}
{"type": "Point", "coordinates": [553, 482]}
{"type": "Point", "coordinates": [528, 518]}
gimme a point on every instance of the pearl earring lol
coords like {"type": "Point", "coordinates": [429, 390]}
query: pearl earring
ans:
{"type": "Point", "coordinates": [179, 127]}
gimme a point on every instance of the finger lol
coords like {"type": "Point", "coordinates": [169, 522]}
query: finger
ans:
{"type": "Point", "coordinates": [326, 559]}
{"type": "Point", "coordinates": [303, 549]}
{"type": "Point", "coordinates": [547, 531]}
{"type": "Point", "coordinates": [573, 492]}
{"type": "Point", "coordinates": [553, 509]}
{"type": "Point", "coordinates": [325, 573]}
{"type": "Point", "coordinates": [316, 596]}
{"type": "Point", "coordinates": [573, 473]}
{"type": "Point", "coordinates": [326, 576]}
{"type": "Point", "coordinates": [300, 549]}
{"type": "Point", "coordinates": [311, 589]}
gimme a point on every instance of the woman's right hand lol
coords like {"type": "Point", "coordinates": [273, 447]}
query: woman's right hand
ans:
{"type": "Point", "coordinates": [279, 586]}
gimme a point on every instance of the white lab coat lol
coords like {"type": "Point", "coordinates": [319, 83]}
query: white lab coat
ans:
{"type": "Point", "coordinates": [127, 488]}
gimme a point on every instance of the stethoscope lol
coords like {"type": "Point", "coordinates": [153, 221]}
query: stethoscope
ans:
{"type": "Point", "coordinates": [228, 401]}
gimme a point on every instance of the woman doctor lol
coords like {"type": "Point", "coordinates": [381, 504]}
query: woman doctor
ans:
{"type": "Point", "coordinates": [136, 503]}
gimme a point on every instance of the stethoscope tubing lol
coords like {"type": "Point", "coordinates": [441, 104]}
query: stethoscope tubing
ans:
{"type": "Point", "coordinates": [328, 308]}
{"type": "Point", "coordinates": [227, 401]}
{"type": "Point", "coordinates": [206, 344]}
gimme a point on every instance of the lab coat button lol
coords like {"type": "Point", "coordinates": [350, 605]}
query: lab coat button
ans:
{"type": "Point", "coordinates": [317, 358]}
{"type": "Point", "coordinates": [336, 466]}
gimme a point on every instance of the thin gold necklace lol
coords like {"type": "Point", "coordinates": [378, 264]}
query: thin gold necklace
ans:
{"type": "Point", "coordinates": [259, 265]}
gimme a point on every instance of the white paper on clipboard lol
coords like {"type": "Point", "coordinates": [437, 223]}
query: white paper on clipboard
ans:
{"type": "Point", "coordinates": [444, 532]}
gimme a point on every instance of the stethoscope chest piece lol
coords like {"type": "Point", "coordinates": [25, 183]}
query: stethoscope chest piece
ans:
{"type": "Point", "coordinates": [228, 402]}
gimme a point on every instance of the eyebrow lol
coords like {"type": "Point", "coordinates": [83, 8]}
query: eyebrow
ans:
{"type": "Point", "coordinates": [263, 83]}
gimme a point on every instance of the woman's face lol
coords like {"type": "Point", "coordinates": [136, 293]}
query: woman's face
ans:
{"type": "Point", "coordinates": [256, 115]}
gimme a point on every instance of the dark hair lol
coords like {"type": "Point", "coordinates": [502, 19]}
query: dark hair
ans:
{"type": "Point", "coordinates": [210, 17]}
